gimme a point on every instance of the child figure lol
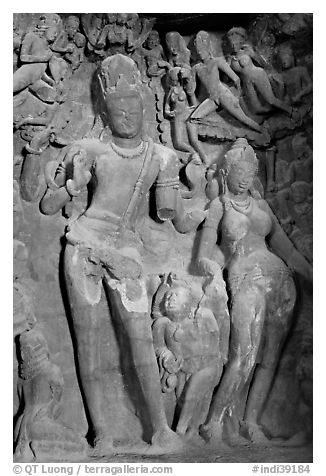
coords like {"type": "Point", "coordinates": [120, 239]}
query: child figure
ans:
{"type": "Point", "coordinates": [191, 344]}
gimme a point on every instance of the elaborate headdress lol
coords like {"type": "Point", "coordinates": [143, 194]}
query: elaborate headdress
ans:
{"type": "Point", "coordinates": [119, 74]}
{"type": "Point", "coordinates": [237, 30]}
{"type": "Point", "coordinates": [240, 151]}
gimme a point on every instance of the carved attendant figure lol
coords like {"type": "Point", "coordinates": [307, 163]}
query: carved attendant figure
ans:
{"type": "Point", "coordinates": [35, 55]}
{"type": "Point", "coordinates": [102, 245]}
{"type": "Point", "coordinates": [179, 104]}
{"type": "Point", "coordinates": [261, 286]}
{"type": "Point", "coordinates": [38, 431]}
{"type": "Point", "coordinates": [191, 343]}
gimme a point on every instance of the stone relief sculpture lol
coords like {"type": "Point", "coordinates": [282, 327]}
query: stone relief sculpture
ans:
{"type": "Point", "coordinates": [35, 54]}
{"type": "Point", "coordinates": [178, 53]}
{"type": "Point", "coordinates": [179, 104]}
{"type": "Point", "coordinates": [180, 299]}
{"type": "Point", "coordinates": [258, 93]}
{"type": "Point", "coordinates": [38, 431]}
{"type": "Point", "coordinates": [208, 73]}
{"type": "Point", "coordinates": [261, 286]}
{"type": "Point", "coordinates": [117, 260]}
{"type": "Point", "coordinates": [191, 344]}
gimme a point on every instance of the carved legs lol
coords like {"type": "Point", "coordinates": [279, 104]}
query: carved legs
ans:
{"type": "Point", "coordinates": [87, 331]}
{"type": "Point", "coordinates": [138, 327]}
{"type": "Point", "coordinates": [247, 319]}
{"type": "Point", "coordinates": [277, 324]}
{"type": "Point", "coordinates": [198, 393]}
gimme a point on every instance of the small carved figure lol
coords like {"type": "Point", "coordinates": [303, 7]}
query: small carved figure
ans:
{"type": "Point", "coordinates": [191, 344]}
{"type": "Point", "coordinates": [297, 210]}
{"type": "Point", "coordinates": [35, 55]}
{"type": "Point", "coordinates": [62, 44]}
{"type": "Point", "coordinates": [102, 245]}
{"type": "Point", "coordinates": [76, 56]}
{"type": "Point", "coordinates": [258, 95]}
{"type": "Point", "coordinates": [179, 104]}
{"type": "Point", "coordinates": [208, 74]}
{"type": "Point", "coordinates": [178, 53]}
{"type": "Point", "coordinates": [39, 432]}
{"type": "Point", "coordinates": [154, 56]}
{"type": "Point", "coordinates": [301, 168]}
{"type": "Point", "coordinates": [262, 292]}
{"type": "Point", "coordinates": [92, 24]}
{"type": "Point", "coordinates": [120, 36]}
{"type": "Point", "coordinates": [296, 79]}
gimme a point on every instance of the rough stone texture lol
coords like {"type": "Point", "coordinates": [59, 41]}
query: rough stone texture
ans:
{"type": "Point", "coordinates": [75, 114]}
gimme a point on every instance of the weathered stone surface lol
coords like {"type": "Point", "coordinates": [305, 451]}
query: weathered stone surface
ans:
{"type": "Point", "coordinates": [91, 94]}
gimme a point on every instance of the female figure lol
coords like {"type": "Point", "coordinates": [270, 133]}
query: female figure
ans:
{"type": "Point", "coordinates": [258, 94]}
{"type": "Point", "coordinates": [178, 107]}
{"type": "Point", "coordinates": [178, 53]}
{"type": "Point", "coordinates": [208, 74]}
{"type": "Point", "coordinates": [261, 287]}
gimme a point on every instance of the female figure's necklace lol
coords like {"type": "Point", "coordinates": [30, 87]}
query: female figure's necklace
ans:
{"type": "Point", "coordinates": [129, 153]}
{"type": "Point", "coordinates": [244, 206]}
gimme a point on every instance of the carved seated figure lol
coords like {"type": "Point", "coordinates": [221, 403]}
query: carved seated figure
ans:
{"type": "Point", "coordinates": [154, 56]}
{"type": "Point", "coordinates": [301, 168]}
{"type": "Point", "coordinates": [191, 345]}
{"type": "Point", "coordinates": [207, 73]}
{"type": "Point", "coordinates": [296, 205]}
{"type": "Point", "coordinates": [35, 54]}
{"type": "Point", "coordinates": [39, 432]}
{"type": "Point", "coordinates": [297, 82]}
{"type": "Point", "coordinates": [75, 55]}
{"type": "Point", "coordinates": [258, 95]}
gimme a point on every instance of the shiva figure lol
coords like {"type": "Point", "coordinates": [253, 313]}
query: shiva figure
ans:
{"type": "Point", "coordinates": [103, 247]}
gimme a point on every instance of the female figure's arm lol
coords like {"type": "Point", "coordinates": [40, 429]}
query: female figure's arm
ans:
{"type": "Point", "coordinates": [209, 238]}
{"type": "Point", "coordinates": [167, 106]}
{"type": "Point", "coordinates": [284, 248]}
{"type": "Point", "coordinates": [223, 66]}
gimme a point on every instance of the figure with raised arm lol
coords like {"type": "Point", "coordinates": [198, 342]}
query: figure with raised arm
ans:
{"type": "Point", "coordinates": [103, 247]}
